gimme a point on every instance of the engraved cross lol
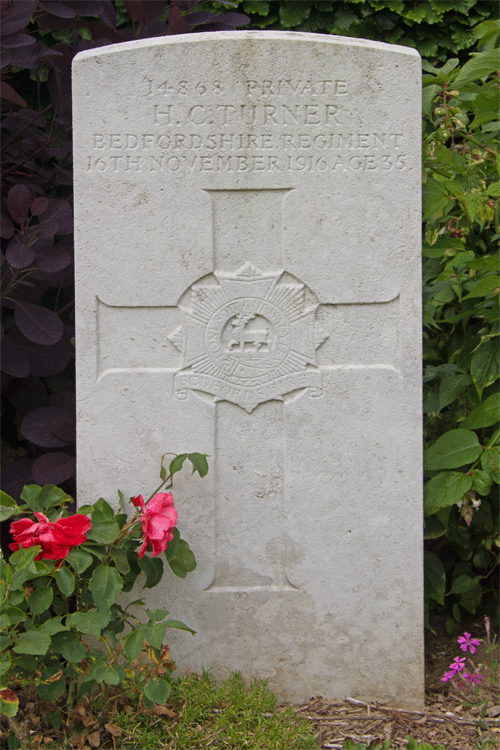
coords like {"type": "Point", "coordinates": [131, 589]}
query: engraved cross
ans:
{"type": "Point", "coordinates": [251, 339]}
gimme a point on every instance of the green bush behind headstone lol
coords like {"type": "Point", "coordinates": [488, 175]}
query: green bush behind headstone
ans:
{"type": "Point", "coordinates": [438, 29]}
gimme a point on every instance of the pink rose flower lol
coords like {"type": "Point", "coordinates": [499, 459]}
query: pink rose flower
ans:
{"type": "Point", "coordinates": [158, 519]}
{"type": "Point", "coordinates": [56, 538]}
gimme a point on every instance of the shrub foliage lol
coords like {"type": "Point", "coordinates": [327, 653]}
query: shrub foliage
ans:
{"type": "Point", "coordinates": [437, 28]}
{"type": "Point", "coordinates": [39, 41]}
{"type": "Point", "coordinates": [461, 293]}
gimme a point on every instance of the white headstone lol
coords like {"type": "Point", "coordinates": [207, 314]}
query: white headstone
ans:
{"type": "Point", "coordinates": [248, 286]}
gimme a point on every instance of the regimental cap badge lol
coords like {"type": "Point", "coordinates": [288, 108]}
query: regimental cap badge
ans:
{"type": "Point", "coordinates": [248, 337]}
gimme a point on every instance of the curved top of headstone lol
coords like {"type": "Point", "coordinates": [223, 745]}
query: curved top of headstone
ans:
{"type": "Point", "coordinates": [269, 36]}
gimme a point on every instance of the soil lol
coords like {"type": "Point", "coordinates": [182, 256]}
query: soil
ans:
{"type": "Point", "coordinates": [443, 721]}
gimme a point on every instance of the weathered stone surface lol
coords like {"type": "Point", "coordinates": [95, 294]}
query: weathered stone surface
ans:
{"type": "Point", "coordinates": [248, 286]}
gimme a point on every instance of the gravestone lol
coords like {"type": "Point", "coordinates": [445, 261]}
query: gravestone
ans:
{"type": "Point", "coordinates": [248, 286]}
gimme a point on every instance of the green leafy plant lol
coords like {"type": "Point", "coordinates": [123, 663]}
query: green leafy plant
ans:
{"type": "Point", "coordinates": [461, 327]}
{"type": "Point", "coordinates": [469, 682]}
{"type": "Point", "coordinates": [64, 627]}
{"type": "Point", "coordinates": [437, 28]}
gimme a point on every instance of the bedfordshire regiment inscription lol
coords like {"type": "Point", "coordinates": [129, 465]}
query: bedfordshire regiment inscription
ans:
{"type": "Point", "coordinates": [282, 126]}
{"type": "Point", "coordinates": [248, 339]}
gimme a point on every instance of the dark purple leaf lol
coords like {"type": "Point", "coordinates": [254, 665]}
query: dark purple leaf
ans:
{"type": "Point", "coordinates": [6, 227]}
{"type": "Point", "coordinates": [154, 10]}
{"type": "Point", "coordinates": [60, 10]}
{"type": "Point", "coordinates": [15, 476]}
{"type": "Point", "coordinates": [102, 31]}
{"type": "Point", "coordinates": [63, 400]}
{"type": "Point", "coordinates": [25, 291]}
{"type": "Point", "coordinates": [38, 324]}
{"type": "Point", "coordinates": [59, 80]}
{"type": "Point", "coordinates": [27, 394]}
{"type": "Point", "coordinates": [15, 360]}
{"type": "Point", "coordinates": [27, 57]}
{"type": "Point", "coordinates": [65, 220]}
{"type": "Point", "coordinates": [233, 19]}
{"type": "Point", "coordinates": [16, 16]}
{"type": "Point", "coordinates": [18, 203]}
{"type": "Point", "coordinates": [39, 245]}
{"type": "Point", "coordinates": [126, 34]}
{"type": "Point", "coordinates": [48, 360]}
{"type": "Point", "coordinates": [145, 11]}
{"type": "Point", "coordinates": [37, 427]}
{"type": "Point", "coordinates": [188, 5]}
{"type": "Point", "coordinates": [39, 206]}
{"type": "Point", "coordinates": [85, 7]}
{"type": "Point", "coordinates": [154, 28]}
{"type": "Point", "coordinates": [59, 153]}
{"type": "Point", "coordinates": [63, 278]}
{"type": "Point", "coordinates": [63, 176]}
{"type": "Point", "coordinates": [18, 40]}
{"type": "Point", "coordinates": [64, 428]}
{"type": "Point", "coordinates": [19, 255]}
{"type": "Point", "coordinates": [53, 468]}
{"type": "Point", "coordinates": [200, 16]}
{"type": "Point", "coordinates": [58, 211]}
{"type": "Point", "coordinates": [104, 10]}
{"type": "Point", "coordinates": [55, 259]}
{"type": "Point", "coordinates": [135, 9]}
{"type": "Point", "coordinates": [177, 24]}
{"type": "Point", "coordinates": [213, 27]}
{"type": "Point", "coordinates": [10, 95]}
{"type": "Point", "coordinates": [53, 23]}
{"type": "Point", "coordinates": [108, 13]}
{"type": "Point", "coordinates": [19, 118]}
{"type": "Point", "coordinates": [229, 19]}
{"type": "Point", "coordinates": [47, 229]}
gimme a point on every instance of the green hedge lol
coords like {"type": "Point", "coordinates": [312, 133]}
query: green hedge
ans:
{"type": "Point", "coordinates": [437, 28]}
{"type": "Point", "coordinates": [461, 163]}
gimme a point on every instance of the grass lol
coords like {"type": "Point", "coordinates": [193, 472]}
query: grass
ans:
{"type": "Point", "coordinates": [199, 715]}
{"type": "Point", "coordinates": [232, 716]}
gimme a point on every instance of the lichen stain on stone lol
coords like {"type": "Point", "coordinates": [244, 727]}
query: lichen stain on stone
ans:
{"type": "Point", "coordinates": [141, 199]}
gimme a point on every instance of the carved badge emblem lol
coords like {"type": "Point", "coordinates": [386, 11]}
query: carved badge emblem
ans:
{"type": "Point", "coordinates": [248, 337]}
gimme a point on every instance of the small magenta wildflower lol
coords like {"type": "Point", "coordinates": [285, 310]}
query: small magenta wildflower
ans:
{"type": "Point", "coordinates": [467, 642]}
{"type": "Point", "coordinates": [475, 678]}
{"type": "Point", "coordinates": [448, 676]}
{"type": "Point", "coordinates": [457, 664]}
